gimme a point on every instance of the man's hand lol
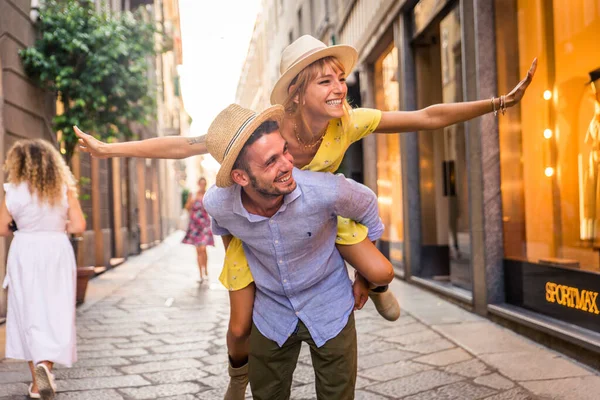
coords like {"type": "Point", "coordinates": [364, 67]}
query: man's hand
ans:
{"type": "Point", "coordinates": [360, 288]}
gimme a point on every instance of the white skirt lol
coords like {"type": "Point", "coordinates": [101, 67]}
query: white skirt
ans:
{"type": "Point", "coordinates": [41, 279]}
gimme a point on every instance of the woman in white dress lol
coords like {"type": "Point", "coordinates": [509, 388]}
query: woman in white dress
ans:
{"type": "Point", "coordinates": [41, 199]}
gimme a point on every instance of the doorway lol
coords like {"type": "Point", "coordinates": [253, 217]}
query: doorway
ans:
{"type": "Point", "coordinates": [446, 242]}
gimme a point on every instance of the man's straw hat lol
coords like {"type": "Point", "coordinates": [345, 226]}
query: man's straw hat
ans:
{"type": "Point", "coordinates": [300, 54]}
{"type": "Point", "coordinates": [229, 132]}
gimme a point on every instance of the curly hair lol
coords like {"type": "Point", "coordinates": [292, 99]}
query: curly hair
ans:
{"type": "Point", "coordinates": [39, 164]}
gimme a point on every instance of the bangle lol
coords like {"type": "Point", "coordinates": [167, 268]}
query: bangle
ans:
{"type": "Point", "coordinates": [494, 107]}
{"type": "Point", "coordinates": [503, 104]}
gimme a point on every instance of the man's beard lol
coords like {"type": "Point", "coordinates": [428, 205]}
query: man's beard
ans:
{"type": "Point", "coordinates": [267, 191]}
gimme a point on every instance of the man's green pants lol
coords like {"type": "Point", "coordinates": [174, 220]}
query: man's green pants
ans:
{"type": "Point", "coordinates": [271, 367]}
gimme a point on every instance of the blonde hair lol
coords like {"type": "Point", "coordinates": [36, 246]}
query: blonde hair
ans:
{"type": "Point", "coordinates": [39, 164]}
{"type": "Point", "coordinates": [300, 83]}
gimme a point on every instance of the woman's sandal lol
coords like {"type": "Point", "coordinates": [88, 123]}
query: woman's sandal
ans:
{"type": "Point", "coordinates": [45, 382]}
{"type": "Point", "coordinates": [33, 395]}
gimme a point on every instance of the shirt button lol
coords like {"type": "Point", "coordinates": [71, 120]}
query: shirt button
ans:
{"type": "Point", "coordinates": [285, 281]}
{"type": "Point", "coordinates": [297, 313]}
{"type": "Point", "coordinates": [280, 261]}
{"type": "Point", "coordinates": [271, 221]}
{"type": "Point", "coordinates": [277, 241]}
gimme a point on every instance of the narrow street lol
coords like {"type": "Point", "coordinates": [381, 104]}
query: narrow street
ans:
{"type": "Point", "coordinates": [149, 330]}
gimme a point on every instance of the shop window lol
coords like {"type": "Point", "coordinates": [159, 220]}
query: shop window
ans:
{"type": "Point", "coordinates": [550, 144]}
{"type": "Point", "coordinates": [389, 174]}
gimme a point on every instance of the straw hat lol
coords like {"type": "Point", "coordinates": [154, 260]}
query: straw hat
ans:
{"type": "Point", "coordinates": [229, 132]}
{"type": "Point", "coordinates": [300, 54]}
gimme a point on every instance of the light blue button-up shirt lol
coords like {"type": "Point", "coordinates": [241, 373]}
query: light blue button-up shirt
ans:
{"type": "Point", "coordinates": [298, 272]}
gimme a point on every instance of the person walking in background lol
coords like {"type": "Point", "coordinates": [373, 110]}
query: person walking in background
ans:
{"type": "Point", "coordinates": [199, 233]}
{"type": "Point", "coordinates": [41, 198]}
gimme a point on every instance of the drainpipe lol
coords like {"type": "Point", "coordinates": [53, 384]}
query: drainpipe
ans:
{"type": "Point", "coordinates": [328, 24]}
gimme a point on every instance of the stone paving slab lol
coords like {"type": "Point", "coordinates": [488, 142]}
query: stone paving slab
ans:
{"type": "Point", "coordinates": [150, 331]}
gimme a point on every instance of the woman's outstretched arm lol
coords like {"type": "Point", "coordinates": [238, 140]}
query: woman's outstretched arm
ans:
{"type": "Point", "coordinates": [172, 147]}
{"type": "Point", "coordinates": [441, 115]}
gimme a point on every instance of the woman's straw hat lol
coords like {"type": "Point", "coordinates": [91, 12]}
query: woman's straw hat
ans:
{"type": "Point", "coordinates": [229, 132]}
{"type": "Point", "coordinates": [300, 54]}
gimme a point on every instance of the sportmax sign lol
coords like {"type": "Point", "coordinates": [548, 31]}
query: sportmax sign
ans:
{"type": "Point", "coordinates": [572, 297]}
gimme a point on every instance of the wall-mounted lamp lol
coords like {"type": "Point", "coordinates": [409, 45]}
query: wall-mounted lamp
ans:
{"type": "Point", "coordinates": [549, 171]}
{"type": "Point", "coordinates": [547, 95]}
{"type": "Point", "coordinates": [547, 133]}
{"type": "Point", "coordinates": [34, 11]}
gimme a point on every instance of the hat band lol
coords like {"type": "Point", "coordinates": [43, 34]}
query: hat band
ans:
{"type": "Point", "coordinates": [238, 133]}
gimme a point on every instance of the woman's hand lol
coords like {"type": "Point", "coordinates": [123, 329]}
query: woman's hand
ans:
{"type": "Point", "coordinates": [360, 289]}
{"type": "Point", "coordinates": [517, 93]}
{"type": "Point", "coordinates": [89, 144]}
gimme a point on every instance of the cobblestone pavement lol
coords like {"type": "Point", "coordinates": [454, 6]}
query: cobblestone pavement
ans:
{"type": "Point", "coordinates": [149, 330]}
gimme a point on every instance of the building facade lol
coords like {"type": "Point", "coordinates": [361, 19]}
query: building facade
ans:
{"type": "Point", "coordinates": [499, 213]}
{"type": "Point", "coordinates": [130, 204]}
{"type": "Point", "coordinates": [26, 111]}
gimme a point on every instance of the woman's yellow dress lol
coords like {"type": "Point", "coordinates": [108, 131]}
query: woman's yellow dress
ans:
{"type": "Point", "coordinates": [236, 274]}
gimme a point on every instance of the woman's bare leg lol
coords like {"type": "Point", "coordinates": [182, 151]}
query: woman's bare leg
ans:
{"type": "Point", "coordinates": [204, 265]}
{"type": "Point", "coordinates": [378, 271]}
{"type": "Point", "coordinates": [34, 388]}
{"type": "Point", "coordinates": [200, 258]}
{"type": "Point", "coordinates": [241, 303]}
{"type": "Point", "coordinates": [368, 261]}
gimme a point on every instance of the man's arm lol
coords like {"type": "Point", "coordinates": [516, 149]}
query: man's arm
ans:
{"type": "Point", "coordinates": [212, 206]}
{"type": "Point", "coordinates": [359, 203]}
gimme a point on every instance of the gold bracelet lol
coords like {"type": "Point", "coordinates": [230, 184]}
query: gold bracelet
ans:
{"type": "Point", "coordinates": [494, 107]}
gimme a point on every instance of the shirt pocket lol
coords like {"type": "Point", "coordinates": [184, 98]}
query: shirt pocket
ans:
{"type": "Point", "coordinates": [318, 234]}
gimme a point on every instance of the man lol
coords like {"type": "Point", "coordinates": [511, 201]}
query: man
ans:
{"type": "Point", "coordinates": [287, 220]}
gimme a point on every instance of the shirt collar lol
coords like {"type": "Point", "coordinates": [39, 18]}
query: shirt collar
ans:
{"type": "Point", "coordinates": [239, 209]}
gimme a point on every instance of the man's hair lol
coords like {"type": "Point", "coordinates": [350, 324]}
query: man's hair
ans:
{"type": "Point", "coordinates": [265, 128]}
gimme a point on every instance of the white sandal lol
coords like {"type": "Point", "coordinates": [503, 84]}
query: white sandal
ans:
{"type": "Point", "coordinates": [45, 382]}
{"type": "Point", "coordinates": [33, 395]}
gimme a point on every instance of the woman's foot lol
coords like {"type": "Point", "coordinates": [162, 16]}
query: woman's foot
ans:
{"type": "Point", "coordinates": [33, 394]}
{"type": "Point", "coordinates": [385, 302]}
{"type": "Point", "coordinates": [45, 382]}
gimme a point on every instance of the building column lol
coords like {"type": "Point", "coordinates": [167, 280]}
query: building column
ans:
{"type": "Point", "coordinates": [3, 241]}
{"type": "Point", "coordinates": [155, 202]}
{"type": "Point", "coordinates": [76, 170]}
{"type": "Point", "coordinates": [409, 151]}
{"type": "Point", "coordinates": [96, 218]}
{"type": "Point", "coordinates": [483, 155]}
{"type": "Point", "coordinates": [141, 199]}
{"type": "Point", "coordinates": [117, 207]}
{"type": "Point", "coordinates": [369, 143]}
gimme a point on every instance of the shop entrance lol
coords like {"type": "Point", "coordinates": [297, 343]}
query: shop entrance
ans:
{"type": "Point", "coordinates": [446, 251]}
{"type": "Point", "coordinates": [389, 168]}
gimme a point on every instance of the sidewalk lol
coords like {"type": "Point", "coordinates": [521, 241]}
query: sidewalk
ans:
{"type": "Point", "coordinates": [148, 330]}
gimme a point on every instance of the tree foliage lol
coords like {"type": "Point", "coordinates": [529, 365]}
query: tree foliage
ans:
{"type": "Point", "coordinates": [97, 63]}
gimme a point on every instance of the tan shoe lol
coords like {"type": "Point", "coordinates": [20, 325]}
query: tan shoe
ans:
{"type": "Point", "coordinates": [386, 304]}
{"type": "Point", "coordinates": [238, 383]}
